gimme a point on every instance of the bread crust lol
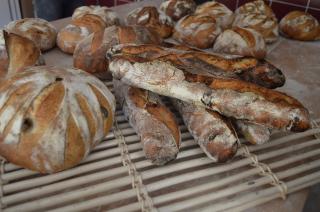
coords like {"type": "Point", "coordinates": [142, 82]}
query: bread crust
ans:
{"type": "Point", "coordinates": [254, 133]}
{"type": "Point", "coordinates": [176, 9]}
{"type": "Point", "coordinates": [255, 7]}
{"type": "Point", "coordinates": [4, 60]}
{"type": "Point", "coordinates": [152, 121]}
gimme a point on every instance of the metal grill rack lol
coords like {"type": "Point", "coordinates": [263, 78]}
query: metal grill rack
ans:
{"type": "Point", "coordinates": [117, 177]}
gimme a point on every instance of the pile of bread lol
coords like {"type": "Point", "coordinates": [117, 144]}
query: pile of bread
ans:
{"type": "Point", "coordinates": [52, 117]}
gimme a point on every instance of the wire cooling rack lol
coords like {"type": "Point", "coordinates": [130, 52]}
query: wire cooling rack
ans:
{"type": "Point", "coordinates": [117, 177]}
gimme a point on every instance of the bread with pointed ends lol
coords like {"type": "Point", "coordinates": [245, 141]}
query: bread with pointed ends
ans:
{"type": "Point", "coordinates": [69, 36]}
{"type": "Point", "coordinates": [4, 60]}
{"type": "Point", "coordinates": [230, 97]}
{"type": "Point", "coordinates": [197, 31]}
{"type": "Point", "coordinates": [89, 54]}
{"type": "Point", "coordinates": [151, 18]}
{"type": "Point", "coordinates": [223, 15]}
{"type": "Point", "coordinates": [299, 25]}
{"type": "Point", "coordinates": [52, 117]}
{"type": "Point", "coordinates": [255, 7]}
{"type": "Point", "coordinates": [254, 133]}
{"type": "Point", "coordinates": [241, 41]}
{"type": "Point", "coordinates": [107, 15]}
{"type": "Point", "coordinates": [210, 130]}
{"type": "Point", "coordinates": [249, 69]}
{"type": "Point", "coordinates": [267, 26]}
{"type": "Point", "coordinates": [153, 122]}
{"type": "Point", "coordinates": [176, 9]}
{"type": "Point", "coordinates": [40, 31]}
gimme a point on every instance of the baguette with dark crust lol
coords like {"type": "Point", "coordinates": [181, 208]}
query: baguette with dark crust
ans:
{"type": "Point", "coordinates": [211, 131]}
{"type": "Point", "coordinates": [230, 97]}
{"type": "Point", "coordinates": [152, 121]}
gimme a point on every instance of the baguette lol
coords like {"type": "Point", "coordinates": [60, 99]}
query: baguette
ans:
{"type": "Point", "coordinates": [210, 130]}
{"type": "Point", "coordinates": [230, 97]}
{"type": "Point", "coordinates": [152, 121]}
{"type": "Point", "coordinates": [254, 133]}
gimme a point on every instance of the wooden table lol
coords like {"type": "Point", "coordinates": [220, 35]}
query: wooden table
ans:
{"type": "Point", "coordinates": [299, 61]}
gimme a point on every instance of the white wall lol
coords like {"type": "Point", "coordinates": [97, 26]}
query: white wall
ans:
{"type": "Point", "coordinates": [9, 10]}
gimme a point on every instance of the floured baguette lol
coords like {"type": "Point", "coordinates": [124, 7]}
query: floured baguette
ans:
{"type": "Point", "coordinates": [249, 69]}
{"type": "Point", "coordinates": [254, 133]}
{"type": "Point", "coordinates": [210, 130]}
{"type": "Point", "coordinates": [152, 121]}
{"type": "Point", "coordinates": [230, 97]}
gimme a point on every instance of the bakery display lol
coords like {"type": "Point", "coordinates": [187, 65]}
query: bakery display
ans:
{"type": "Point", "coordinates": [80, 28]}
{"type": "Point", "coordinates": [230, 97]}
{"type": "Point", "coordinates": [210, 130]}
{"type": "Point", "coordinates": [40, 31]}
{"type": "Point", "coordinates": [255, 7]}
{"type": "Point", "coordinates": [176, 9]}
{"type": "Point", "coordinates": [223, 15]}
{"type": "Point", "coordinates": [107, 15]}
{"type": "Point", "coordinates": [89, 54]}
{"type": "Point", "coordinates": [152, 121]}
{"type": "Point", "coordinates": [3, 56]}
{"type": "Point", "coordinates": [151, 18]}
{"type": "Point", "coordinates": [299, 25]}
{"type": "Point", "coordinates": [197, 31]}
{"type": "Point", "coordinates": [241, 41]}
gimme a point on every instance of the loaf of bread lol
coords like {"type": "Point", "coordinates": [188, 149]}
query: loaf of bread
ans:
{"type": "Point", "coordinates": [3, 56]}
{"type": "Point", "coordinates": [80, 28]}
{"type": "Point", "coordinates": [259, 72]}
{"type": "Point", "coordinates": [267, 26]}
{"type": "Point", "coordinates": [254, 133]}
{"type": "Point", "coordinates": [52, 117]}
{"type": "Point", "coordinates": [223, 15]}
{"type": "Point", "coordinates": [107, 15]}
{"type": "Point", "coordinates": [151, 18]}
{"type": "Point", "coordinates": [230, 97]}
{"type": "Point", "coordinates": [210, 130]}
{"type": "Point", "coordinates": [40, 31]}
{"type": "Point", "coordinates": [90, 53]}
{"type": "Point", "coordinates": [153, 122]}
{"type": "Point", "coordinates": [197, 31]}
{"type": "Point", "coordinates": [299, 25]}
{"type": "Point", "coordinates": [241, 41]}
{"type": "Point", "coordinates": [255, 7]}
{"type": "Point", "coordinates": [176, 9]}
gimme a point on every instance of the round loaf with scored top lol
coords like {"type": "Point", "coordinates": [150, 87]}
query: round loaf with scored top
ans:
{"type": "Point", "coordinates": [255, 7]}
{"type": "Point", "coordinates": [176, 9]}
{"type": "Point", "coordinates": [241, 41]}
{"type": "Point", "coordinates": [299, 25]}
{"type": "Point", "coordinates": [50, 118]}
{"type": "Point", "coordinates": [40, 31]}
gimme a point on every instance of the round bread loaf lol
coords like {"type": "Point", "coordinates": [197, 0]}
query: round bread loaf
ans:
{"type": "Point", "coordinates": [176, 9]}
{"type": "Point", "coordinates": [40, 31]}
{"type": "Point", "coordinates": [197, 31]}
{"type": "Point", "coordinates": [52, 117]}
{"type": "Point", "coordinates": [256, 7]}
{"type": "Point", "coordinates": [151, 18]}
{"type": "Point", "coordinates": [241, 41]}
{"type": "Point", "coordinates": [222, 14]}
{"type": "Point", "coordinates": [90, 53]}
{"type": "Point", "coordinates": [107, 15]}
{"type": "Point", "coordinates": [69, 36]}
{"type": "Point", "coordinates": [3, 56]}
{"type": "Point", "coordinates": [267, 26]}
{"type": "Point", "coordinates": [300, 26]}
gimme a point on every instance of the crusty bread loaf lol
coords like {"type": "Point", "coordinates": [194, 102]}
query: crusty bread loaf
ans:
{"type": "Point", "coordinates": [254, 133]}
{"type": "Point", "coordinates": [241, 41]}
{"type": "Point", "coordinates": [80, 28]}
{"type": "Point", "coordinates": [151, 18]}
{"type": "Point", "coordinates": [249, 69]}
{"type": "Point", "coordinates": [52, 117]}
{"type": "Point", "coordinates": [3, 56]}
{"type": "Point", "coordinates": [107, 15]}
{"type": "Point", "coordinates": [197, 31]}
{"type": "Point", "coordinates": [153, 122]}
{"type": "Point", "coordinates": [230, 97]}
{"type": "Point", "coordinates": [299, 25]}
{"type": "Point", "coordinates": [267, 26]}
{"type": "Point", "coordinates": [40, 31]}
{"type": "Point", "coordinates": [255, 7]}
{"type": "Point", "coordinates": [89, 54]}
{"type": "Point", "coordinates": [209, 129]}
{"type": "Point", "coordinates": [223, 15]}
{"type": "Point", "coordinates": [176, 9]}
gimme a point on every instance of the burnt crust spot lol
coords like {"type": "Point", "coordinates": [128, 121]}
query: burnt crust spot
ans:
{"type": "Point", "coordinates": [27, 125]}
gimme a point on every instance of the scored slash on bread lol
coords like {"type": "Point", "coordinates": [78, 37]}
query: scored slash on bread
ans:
{"type": "Point", "coordinates": [230, 97]}
{"type": "Point", "coordinates": [152, 120]}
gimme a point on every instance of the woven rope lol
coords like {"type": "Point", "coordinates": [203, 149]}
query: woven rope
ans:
{"type": "Point", "coordinates": [315, 124]}
{"type": "Point", "coordinates": [142, 193]}
{"type": "Point", "coordinates": [2, 162]}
